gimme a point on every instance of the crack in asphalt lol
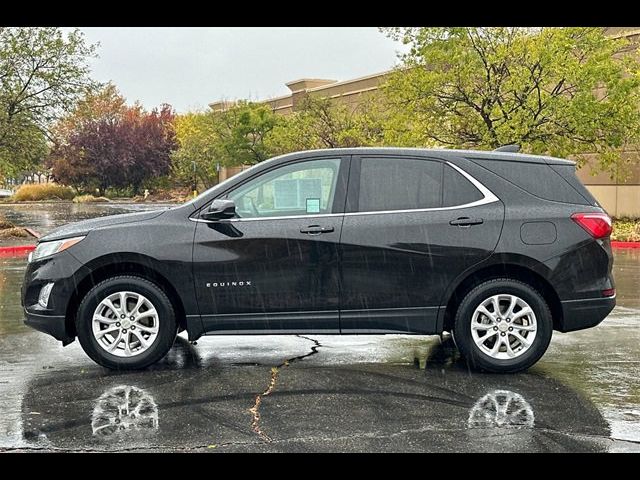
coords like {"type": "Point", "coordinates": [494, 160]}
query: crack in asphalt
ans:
{"type": "Point", "coordinates": [275, 372]}
{"type": "Point", "coordinates": [255, 410]}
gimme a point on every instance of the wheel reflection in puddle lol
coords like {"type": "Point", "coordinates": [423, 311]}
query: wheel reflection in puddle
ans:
{"type": "Point", "coordinates": [501, 409]}
{"type": "Point", "coordinates": [124, 409]}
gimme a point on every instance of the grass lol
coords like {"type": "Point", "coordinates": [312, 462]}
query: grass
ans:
{"type": "Point", "coordinates": [626, 230]}
{"type": "Point", "coordinates": [43, 191]}
{"type": "Point", "coordinates": [90, 199]}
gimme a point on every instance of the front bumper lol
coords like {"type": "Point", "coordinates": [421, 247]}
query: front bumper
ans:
{"type": "Point", "coordinates": [585, 313]}
{"type": "Point", "coordinates": [54, 325]}
{"type": "Point", "coordinates": [66, 273]}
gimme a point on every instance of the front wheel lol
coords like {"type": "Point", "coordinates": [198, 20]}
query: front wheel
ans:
{"type": "Point", "coordinates": [126, 323]}
{"type": "Point", "coordinates": [503, 325]}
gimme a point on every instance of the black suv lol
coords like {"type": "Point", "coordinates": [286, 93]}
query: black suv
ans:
{"type": "Point", "coordinates": [498, 248]}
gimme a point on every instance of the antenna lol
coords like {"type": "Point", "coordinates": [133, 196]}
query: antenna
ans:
{"type": "Point", "coordinates": [511, 148]}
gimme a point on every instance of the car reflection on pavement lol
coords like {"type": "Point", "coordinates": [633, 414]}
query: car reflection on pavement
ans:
{"type": "Point", "coordinates": [189, 403]}
{"type": "Point", "coordinates": [501, 409]}
{"type": "Point", "coordinates": [124, 408]}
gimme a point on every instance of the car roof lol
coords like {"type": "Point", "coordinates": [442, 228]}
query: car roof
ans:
{"type": "Point", "coordinates": [444, 153]}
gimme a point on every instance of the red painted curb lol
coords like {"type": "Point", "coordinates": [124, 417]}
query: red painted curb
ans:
{"type": "Point", "coordinates": [616, 244]}
{"type": "Point", "coordinates": [16, 251]}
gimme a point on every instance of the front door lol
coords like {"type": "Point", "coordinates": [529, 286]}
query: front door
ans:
{"type": "Point", "coordinates": [275, 266]}
{"type": "Point", "coordinates": [412, 225]}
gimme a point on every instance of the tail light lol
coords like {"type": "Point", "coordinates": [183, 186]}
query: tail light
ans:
{"type": "Point", "coordinates": [598, 225]}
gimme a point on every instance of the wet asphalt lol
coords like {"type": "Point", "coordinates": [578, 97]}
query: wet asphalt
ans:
{"type": "Point", "coordinates": [361, 393]}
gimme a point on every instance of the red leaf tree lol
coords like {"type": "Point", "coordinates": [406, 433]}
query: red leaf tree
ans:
{"type": "Point", "coordinates": [108, 144]}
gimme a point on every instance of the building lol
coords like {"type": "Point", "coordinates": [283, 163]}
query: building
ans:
{"type": "Point", "coordinates": [349, 92]}
{"type": "Point", "coordinates": [620, 195]}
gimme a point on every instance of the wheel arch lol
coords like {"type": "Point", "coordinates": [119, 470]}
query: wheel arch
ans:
{"type": "Point", "coordinates": [523, 269]}
{"type": "Point", "coordinates": [122, 264]}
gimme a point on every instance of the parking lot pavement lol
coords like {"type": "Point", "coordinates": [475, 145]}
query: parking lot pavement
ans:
{"type": "Point", "coordinates": [323, 393]}
{"type": "Point", "coordinates": [360, 393]}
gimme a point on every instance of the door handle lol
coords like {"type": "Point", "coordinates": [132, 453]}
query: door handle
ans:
{"type": "Point", "coordinates": [466, 222]}
{"type": "Point", "coordinates": [316, 230]}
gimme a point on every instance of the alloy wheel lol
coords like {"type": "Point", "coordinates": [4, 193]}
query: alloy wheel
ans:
{"type": "Point", "coordinates": [125, 324]}
{"type": "Point", "coordinates": [503, 326]}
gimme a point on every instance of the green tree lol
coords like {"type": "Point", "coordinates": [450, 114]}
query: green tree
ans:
{"type": "Point", "coordinates": [324, 123]}
{"type": "Point", "coordinates": [198, 142]}
{"type": "Point", "coordinates": [23, 149]}
{"type": "Point", "coordinates": [558, 91]}
{"type": "Point", "coordinates": [42, 74]}
{"type": "Point", "coordinates": [236, 136]}
{"type": "Point", "coordinates": [241, 132]}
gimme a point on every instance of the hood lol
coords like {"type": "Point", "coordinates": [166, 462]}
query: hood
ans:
{"type": "Point", "coordinates": [85, 226]}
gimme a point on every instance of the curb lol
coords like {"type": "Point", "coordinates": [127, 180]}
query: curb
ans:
{"type": "Point", "coordinates": [616, 244]}
{"type": "Point", "coordinates": [16, 251]}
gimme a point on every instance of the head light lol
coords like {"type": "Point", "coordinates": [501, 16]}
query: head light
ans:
{"type": "Point", "coordinates": [45, 249]}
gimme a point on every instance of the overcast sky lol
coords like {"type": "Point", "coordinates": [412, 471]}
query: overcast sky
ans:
{"type": "Point", "coordinates": [191, 67]}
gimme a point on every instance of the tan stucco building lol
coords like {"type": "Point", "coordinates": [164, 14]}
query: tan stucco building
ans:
{"type": "Point", "coordinates": [620, 197]}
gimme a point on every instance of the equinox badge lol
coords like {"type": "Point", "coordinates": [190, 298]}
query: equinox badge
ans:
{"type": "Point", "coordinates": [245, 283]}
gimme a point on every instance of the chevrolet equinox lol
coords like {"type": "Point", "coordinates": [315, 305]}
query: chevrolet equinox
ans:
{"type": "Point", "coordinates": [498, 248]}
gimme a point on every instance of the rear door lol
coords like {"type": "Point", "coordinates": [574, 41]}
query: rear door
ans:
{"type": "Point", "coordinates": [412, 225]}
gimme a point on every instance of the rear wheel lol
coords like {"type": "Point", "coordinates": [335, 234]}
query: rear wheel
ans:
{"type": "Point", "coordinates": [126, 322]}
{"type": "Point", "coordinates": [503, 325]}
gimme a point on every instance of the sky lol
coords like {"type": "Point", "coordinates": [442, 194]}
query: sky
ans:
{"type": "Point", "coordinates": [191, 67]}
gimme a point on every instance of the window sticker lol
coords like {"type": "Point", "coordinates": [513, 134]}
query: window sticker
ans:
{"type": "Point", "coordinates": [313, 205]}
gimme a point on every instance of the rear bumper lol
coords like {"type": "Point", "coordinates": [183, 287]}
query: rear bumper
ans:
{"type": "Point", "coordinates": [584, 313]}
{"type": "Point", "coordinates": [53, 325]}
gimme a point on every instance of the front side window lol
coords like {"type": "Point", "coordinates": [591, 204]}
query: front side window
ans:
{"type": "Point", "coordinates": [302, 188]}
{"type": "Point", "coordinates": [399, 184]}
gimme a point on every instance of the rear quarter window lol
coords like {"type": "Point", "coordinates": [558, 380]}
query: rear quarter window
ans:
{"type": "Point", "coordinates": [568, 172]}
{"type": "Point", "coordinates": [538, 179]}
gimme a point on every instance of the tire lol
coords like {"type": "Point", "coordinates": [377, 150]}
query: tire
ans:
{"type": "Point", "coordinates": [516, 354]}
{"type": "Point", "coordinates": [155, 320]}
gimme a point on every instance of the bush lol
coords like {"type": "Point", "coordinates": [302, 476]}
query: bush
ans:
{"type": "Point", "coordinates": [90, 199]}
{"type": "Point", "coordinates": [43, 191]}
{"type": "Point", "coordinates": [626, 230]}
{"type": "Point", "coordinates": [158, 184]}
{"type": "Point", "coordinates": [13, 233]}
{"type": "Point", "coordinates": [123, 192]}
{"type": "Point", "coordinates": [4, 224]}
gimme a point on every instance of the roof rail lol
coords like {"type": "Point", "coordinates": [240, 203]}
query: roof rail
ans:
{"type": "Point", "coordinates": [511, 148]}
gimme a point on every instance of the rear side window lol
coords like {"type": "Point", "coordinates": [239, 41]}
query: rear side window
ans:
{"type": "Point", "coordinates": [568, 172]}
{"type": "Point", "coordinates": [457, 189]}
{"type": "Point", "coordinates": [399, 184]}
{"type": "Point", "coordinates": [536, 178]}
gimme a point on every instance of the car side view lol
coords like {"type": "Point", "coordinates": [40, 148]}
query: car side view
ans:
{"type": "Point", "coordinates": [498, 248]}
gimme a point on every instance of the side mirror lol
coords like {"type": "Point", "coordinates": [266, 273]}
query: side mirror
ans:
{"type": "Point", "coordinates": [220, 209]}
